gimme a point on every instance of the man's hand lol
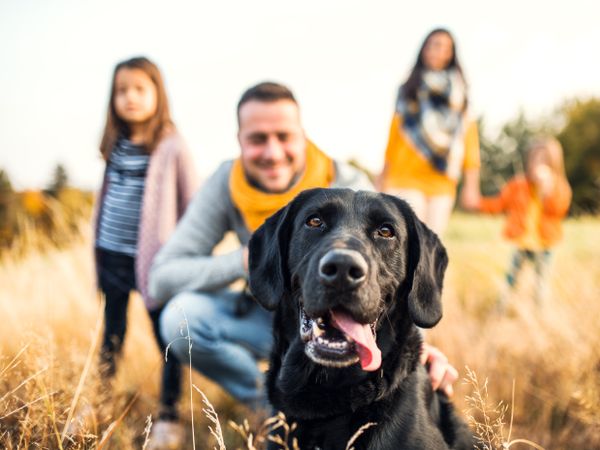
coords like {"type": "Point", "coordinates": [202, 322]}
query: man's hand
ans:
{"type": "Point", "coordinates": [441, 372]}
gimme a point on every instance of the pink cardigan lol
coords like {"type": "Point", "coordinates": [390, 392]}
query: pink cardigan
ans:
{"type": "Point", "coordinates": [171, 181]}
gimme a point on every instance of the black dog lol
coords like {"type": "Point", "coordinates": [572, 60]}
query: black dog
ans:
{"type": "Point", "coordinates": [351, 275]}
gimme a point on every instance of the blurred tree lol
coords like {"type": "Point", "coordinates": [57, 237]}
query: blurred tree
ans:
{"type": "Point", "coordinates": [7, 214]}
{"type": "Point", "coordinates": [5, 184]}
{"type": "Point", "coordinates": [502, 156]}
{"type": "Point", "coordinates": [576, 125]}
{"type": "Point", "coordinates": [60, 180]}
{"type": "Point", "coordinates": [580, 138]}
{"type": "Point", "coordinates": [36, 220]}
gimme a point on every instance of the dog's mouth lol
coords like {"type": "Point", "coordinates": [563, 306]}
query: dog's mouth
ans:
{"type": "Point", "coordinates": [338, 340]}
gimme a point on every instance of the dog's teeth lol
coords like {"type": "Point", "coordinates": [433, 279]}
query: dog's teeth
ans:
{"type": "Point", "coordinates": [317, 331]}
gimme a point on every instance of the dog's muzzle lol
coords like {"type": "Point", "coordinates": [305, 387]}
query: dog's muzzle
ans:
{"type": "Point", "coordinates": [337, 340]}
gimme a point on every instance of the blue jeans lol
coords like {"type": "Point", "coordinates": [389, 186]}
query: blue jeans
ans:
{"type": "Point", "coordinates": [225, 345]}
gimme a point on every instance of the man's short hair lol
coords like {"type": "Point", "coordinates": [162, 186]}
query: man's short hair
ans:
{"type": "Point", "coordinates": [266, 91]}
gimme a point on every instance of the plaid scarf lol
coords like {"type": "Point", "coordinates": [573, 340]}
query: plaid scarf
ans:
{"type": "Point", "coordinates": [434, 121]}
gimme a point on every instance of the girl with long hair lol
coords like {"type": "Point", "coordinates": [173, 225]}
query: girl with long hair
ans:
{"type": "Point", "coordinates": [148, 181]}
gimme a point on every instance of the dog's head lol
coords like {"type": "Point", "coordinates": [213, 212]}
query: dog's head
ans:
{"type": "Point", "coordinates": [341, 264]}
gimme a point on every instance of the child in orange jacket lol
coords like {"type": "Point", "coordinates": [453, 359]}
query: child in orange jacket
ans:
{"type": "Point", "coordinates": [535, 204]}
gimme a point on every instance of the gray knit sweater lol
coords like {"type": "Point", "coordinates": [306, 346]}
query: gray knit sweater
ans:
{"type": "Point", "coordinates": [186, 262]}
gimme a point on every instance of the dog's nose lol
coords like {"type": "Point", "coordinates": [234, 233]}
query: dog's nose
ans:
{"type": "Point", "coordinates": [343, 268]}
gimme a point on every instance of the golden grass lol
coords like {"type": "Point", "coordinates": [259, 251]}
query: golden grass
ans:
{"type": "Point", "coordinates": [49, 311]}
{"type": "Point", "coordinates": [552, 353]}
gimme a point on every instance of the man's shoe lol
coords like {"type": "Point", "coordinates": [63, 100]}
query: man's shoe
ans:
{"type": "Point", "coordinates": [84, 421]}
{"type": "Point", "coordinates": [166, 435]}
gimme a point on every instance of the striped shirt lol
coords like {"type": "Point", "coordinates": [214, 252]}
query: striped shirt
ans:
{"type": "Point", "coordinates": [120, 213]}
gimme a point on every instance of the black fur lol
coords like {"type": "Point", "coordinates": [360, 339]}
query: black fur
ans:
{"type": "Point", "coordinates": [401, 289]}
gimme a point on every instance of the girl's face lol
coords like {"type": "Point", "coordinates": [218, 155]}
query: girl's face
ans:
{"type": "Point", "coordinates": [135, 96]}
{"type": "Point", "coordinates": [438, 51]}
{"type": "Point", "coordinates": [538, 162]}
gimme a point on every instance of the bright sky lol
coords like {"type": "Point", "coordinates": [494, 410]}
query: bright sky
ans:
{"type": "Point", "coordinates": [344, 60]}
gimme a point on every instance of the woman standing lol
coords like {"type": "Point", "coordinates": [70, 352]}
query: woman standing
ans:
{"type": "Point", "coordinates": [432, 141]}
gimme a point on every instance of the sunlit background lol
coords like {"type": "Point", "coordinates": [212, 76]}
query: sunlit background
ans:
{"type": "Point", "coordinates": [343, 59]}
{"type": "Point", "coordinates": [532, 67]}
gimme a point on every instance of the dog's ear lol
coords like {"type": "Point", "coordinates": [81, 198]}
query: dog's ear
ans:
{"type": "Point", "coordinates": [426, 265]}
{"type": "Point", "coordinates": [268, 254]}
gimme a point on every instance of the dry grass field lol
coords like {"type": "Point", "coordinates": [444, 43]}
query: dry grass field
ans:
{"type": "Point", "coordinates": [49, 322]}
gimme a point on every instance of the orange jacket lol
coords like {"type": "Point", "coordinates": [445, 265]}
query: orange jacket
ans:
{"type": "Point", "coordinates": [514, 200]}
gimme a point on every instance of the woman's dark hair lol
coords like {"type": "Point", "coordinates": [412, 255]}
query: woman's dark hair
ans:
{"type": "Point", "coordinates": [409, 89]}
{"type": "Point", "coordinates": [157, 125]}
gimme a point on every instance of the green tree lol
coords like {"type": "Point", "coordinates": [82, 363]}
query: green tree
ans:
{"type": "Point", "coordinates": [60, 180]}
{"type": "Point", "coordinates": [5, 184]}
{"type": "Point", "coordinates": [7, 213]}
{"type": "Point", "coordinates": [502, 156]}
{"type": "Point", "coordinates": [580, 138]}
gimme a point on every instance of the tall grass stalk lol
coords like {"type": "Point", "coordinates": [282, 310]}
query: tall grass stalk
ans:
{"type": "Point", "coordinates": [86, 368]}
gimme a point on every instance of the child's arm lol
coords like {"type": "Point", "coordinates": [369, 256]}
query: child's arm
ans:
{"type": "Point", "coordinates": [494, 204]}
{"type": "Point", "coordinates": [491, 205]}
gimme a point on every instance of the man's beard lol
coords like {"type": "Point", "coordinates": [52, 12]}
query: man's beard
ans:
{"type": "Point", "coordinates": [256, 184]}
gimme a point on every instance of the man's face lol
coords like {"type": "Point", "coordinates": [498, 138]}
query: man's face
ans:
{"type": "Point", "coordinates": [272, 142]}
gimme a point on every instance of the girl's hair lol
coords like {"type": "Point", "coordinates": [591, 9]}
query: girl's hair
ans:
{"type": "Point", "coordinates": [156, 127]}
{"type": "Point", "coordinates": [409, 89]}
{"type": "Point", "coordinates": [553, 151]}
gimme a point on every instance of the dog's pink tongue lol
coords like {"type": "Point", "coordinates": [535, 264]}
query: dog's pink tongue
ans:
{"type": "Point", "coordinates": [366, 347]}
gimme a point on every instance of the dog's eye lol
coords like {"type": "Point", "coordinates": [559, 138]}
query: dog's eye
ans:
{"type": "Point", "coordinates": [385, 231]}
{"type": "Point", "coordinates": [314, 221]}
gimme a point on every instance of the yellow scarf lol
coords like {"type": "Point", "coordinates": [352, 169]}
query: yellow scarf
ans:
{"type": "Point", "coordinates": [256, 206]}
